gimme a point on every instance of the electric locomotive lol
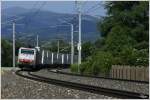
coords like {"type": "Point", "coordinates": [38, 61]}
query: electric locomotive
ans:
{"type": "Point", "coordinates": [27, 57]}
{"type": "Point", "coordinates": [34, 58]}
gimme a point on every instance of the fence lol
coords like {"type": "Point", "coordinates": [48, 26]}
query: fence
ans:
{"type": "Point", "coordinates": [130, 73]}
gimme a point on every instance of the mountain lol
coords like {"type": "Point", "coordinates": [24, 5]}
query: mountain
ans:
{"type": "Point", "coordinates": [43, 22]}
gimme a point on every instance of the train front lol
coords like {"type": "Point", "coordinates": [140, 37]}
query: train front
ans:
{"type": "Point", "coordinates": [26, 57]}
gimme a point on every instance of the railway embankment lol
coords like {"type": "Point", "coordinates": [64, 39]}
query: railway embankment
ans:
{"type": "Point", "coordinates": [15, 87]}
{"type": "Point", "coordinates": [106, 83]}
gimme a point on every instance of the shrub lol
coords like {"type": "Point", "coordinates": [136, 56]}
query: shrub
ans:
{"type": "Point", "coordinates": [143, 58]}
{"type": "Point", "coordinates": [74, 68]}
{"type": "Point", "coordinates": [100, 62]}
{"type": "Point", "coordinates": [83, 67]}
{"type": "Point", "coordinates": [132, 56]}
{"type": "Point", "coordinates": [87, 70]}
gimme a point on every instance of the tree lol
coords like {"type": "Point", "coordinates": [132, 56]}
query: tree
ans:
{"type": "Point", "coordinates": [18, 44]}
{"type": "Point", "coordinates": [126, 26]}
{"type": "Point", "coordinates": [117, 39]}
{"type": "Point", "coordinates": [87, 50]}
{"type": "Point", "coordinates": [100, 42]}
{"type": "Point", "coordinates": [6, 53]}
{"type": "Point", "coordinates": [64, 47]}
{"type": "Point", "coordinates": [124, 38]}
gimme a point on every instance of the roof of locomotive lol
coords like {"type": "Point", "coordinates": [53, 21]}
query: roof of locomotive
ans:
{"type": "Point", "coordinates": [27, 48]}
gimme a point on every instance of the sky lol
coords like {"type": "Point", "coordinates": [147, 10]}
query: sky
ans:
{"type": "Point", "coordinates": [94, 8]}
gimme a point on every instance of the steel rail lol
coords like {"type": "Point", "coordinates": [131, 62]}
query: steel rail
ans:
{"type": "Point", "coordinates": [91, 76]}
{"type": "Point", "coordinates": [89, 88]}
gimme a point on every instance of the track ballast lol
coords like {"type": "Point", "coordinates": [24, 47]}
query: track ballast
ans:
{"type": "Point", "coordinates": [67, 73]}
{"type": "Point", "coordinates": [93, 89]}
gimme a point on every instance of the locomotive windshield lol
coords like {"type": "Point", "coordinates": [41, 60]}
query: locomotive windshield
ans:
{"type": "Point", "coordinates": [27, 51]}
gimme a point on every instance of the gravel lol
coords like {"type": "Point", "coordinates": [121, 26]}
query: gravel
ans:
{"type": "Point", "coordinates": [106, 83]}
{"type": "Point", "coordinates": [15, 87]}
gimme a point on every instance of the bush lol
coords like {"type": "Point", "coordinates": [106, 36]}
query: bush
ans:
{"type": "Point", "coordinates": [74, 68]}
{"type": "Point", "coordinates": [86, 69]}
{"type": "Point", "coordinates": [100, 62]}
{"type": "Point", "coordinates": [84, 66]}
{"type": "Point", "coordinates": [132, 56]}
{"type": "Point", "coordinates": [143, 57]}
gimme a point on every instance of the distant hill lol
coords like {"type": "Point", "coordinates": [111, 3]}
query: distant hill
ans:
{"type": "Point", "coordinates": [40, 23]}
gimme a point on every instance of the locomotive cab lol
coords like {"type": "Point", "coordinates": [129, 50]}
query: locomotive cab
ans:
{"type": "Point", "coordinates": [27, 57]}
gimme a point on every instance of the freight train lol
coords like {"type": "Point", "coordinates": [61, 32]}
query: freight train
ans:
{"type": "Point", "coordinates": [32, 58]}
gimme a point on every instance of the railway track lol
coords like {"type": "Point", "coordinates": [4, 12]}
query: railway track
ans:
{"type": "Point", "coordinates": [89, 88]}
{"type": "Point", "coordinates": [73, 74]}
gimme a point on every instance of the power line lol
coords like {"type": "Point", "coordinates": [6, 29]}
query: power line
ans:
{"type": "Point", "coordinates": [38, 10]}
{"type": "Point", "coordinates": [94, 7]}
{"type": "Point", "coordinates": [84, 3]}
{"type": "Point", "coordinates": [35, 13]}
{"type": "Point", "coordinates": [93, 11]}
{"type": "Point", "coordinates": [36, 3]}
{"type": "Point", "coordinates": [19, 17]}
